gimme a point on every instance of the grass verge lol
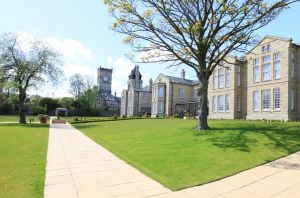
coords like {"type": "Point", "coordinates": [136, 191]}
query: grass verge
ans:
{"type": "Point", "coordinates": [23, 152]}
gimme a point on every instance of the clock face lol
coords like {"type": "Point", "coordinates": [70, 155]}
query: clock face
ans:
{"type": "Point", "coordinates": [105, 78]}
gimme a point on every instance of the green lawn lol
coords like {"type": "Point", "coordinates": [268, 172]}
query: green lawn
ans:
{"type": "Point", "coordinates": [172, 153]}
{"type": "Point", "coordinates": [9, 118]}
{"type": "Point", "coordinates": [23, 150]}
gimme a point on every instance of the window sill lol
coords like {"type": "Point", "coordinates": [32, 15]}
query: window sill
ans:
{"type": "Point", "coordinates": [266, 80]}
{"type": "Point", "coordinates": [266, 110]}
{"type": "Point", "coordinates": [277, 110]}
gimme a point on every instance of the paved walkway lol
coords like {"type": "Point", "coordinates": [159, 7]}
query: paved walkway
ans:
{"type": "Point", "coordinates": [78, 167]}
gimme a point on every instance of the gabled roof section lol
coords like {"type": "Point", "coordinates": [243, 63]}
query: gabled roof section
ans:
{"type": "Point", "coordinates": [112, 98]}
{"type": "Point", "coordinates": [177, 80]}
{"type": "Point", "coordinates": [181, 80]}
{"type": "Point", "coordinates": [270, 37]}
{"type": "Point", "coordinates": [159, 76]}
{"type": "Point", "coordinates": [100, 97]}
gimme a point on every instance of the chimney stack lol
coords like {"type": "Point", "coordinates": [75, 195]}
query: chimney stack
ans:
{"type": "Point", "coordinates": [182, 74]}
{"type": "Point", "coordinates": [115, 94]}
{"type": "Point", "coordinates": [150, 84]}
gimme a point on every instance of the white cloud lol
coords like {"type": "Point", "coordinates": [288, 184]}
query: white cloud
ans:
{"type": "Point", "coordinates": [84, 70]}
{"type": "Point", "coordinates": [121, 70]}
{"type": "Point", "coordinates": [76, 60]}
{"type": "Point", "coordinates": [70, 48]}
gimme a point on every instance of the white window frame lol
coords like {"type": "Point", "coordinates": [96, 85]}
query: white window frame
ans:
{"type": "Point", "coordinates": [256, 70]}
{"type": "Point", "coordinates": [220, 103]}
{"type": "Point", "coordinates": [227, 78]}
{"type": "Point", "coordinates": [268, 48]}
{"type": "Point", "coordinates": [214, 104]}
{"type": "Point", "coordinates": [239, 76]}
{"type": "Point", "coordinates": [239, 103]}
{"type": "Point", "coordinates": [276, 99]}
{"type": "Point", "coordinates": [255, 101]}
{"type": "Point", "coordinates": [293, 99]}
{"type": "Point", "coordinates": [161, 91]}
{"type": "Point", "coordinates": [263, 49]}
{"type": "Point", "coordinates": [196, 94]}
{"type": "Point", "coordinates": [227, 103]}
{"type": "Point", "coordinates": [160, 107]}
{"type": "Point", "coordinates": [277, 65]}
{"type": "Point", "coordinates": [221, 78]}
{"type": "Point", "coordinates": [266, 98]}
{"type": "Point", "coordinates": [215, 79]}
{"type": "Point", "coordinates": [181, 93]}
{"type": "Point", "coordinates": [266, 68]}
{"type": "Point", "coordinates": [293, 69]}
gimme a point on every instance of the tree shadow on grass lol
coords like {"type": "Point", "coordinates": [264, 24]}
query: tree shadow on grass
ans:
{"type": "Point", "coordinates": [245, 136]}
{"type": "Point", "coordinates": [238, 140]}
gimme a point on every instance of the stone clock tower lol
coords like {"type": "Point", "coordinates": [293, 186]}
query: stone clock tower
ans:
{"type": "Point", "coordinates": [104, 81]}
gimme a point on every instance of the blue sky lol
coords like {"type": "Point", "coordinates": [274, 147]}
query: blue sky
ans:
{"type": "Point", "coordinates": [81, 31]}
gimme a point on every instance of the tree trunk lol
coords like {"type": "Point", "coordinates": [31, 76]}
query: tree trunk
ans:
{"type": "Point", "coordinates": [22, 98]}
{"type": "Point", "coordinates": [22, 118]}
{"type": "Point", "coordinates": [203, 105]}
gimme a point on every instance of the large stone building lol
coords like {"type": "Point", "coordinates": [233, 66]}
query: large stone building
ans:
{"type": "Point", "coordinates": [263, 84]}
{"type": "Point", "coordinates": [105, 99]}
{"type": "Point", "coordinates": [136, 99]}
{"type": "Point", "coordinates": [173, 95]}
{"type": "Point", "coordinates": [273, 83]}
{"type": "Point", "coordinates": [227, 93]}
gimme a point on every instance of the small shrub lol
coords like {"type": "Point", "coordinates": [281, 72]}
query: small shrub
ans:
{"type": "Point", "coordinates": [145, 115]}
{"type": "Point", "coordinates": [115, 117]}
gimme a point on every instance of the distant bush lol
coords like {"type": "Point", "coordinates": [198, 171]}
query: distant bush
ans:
{"type": "Point", "coordinates": [145, 115]}
{"type": "Point", "coordinates": [115, 117]}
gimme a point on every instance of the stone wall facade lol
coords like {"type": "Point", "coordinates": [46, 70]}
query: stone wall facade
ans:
{"type": "Point", "coordinates": [136, 99]}
{"type": "Point", "coordinates": [282, 82]}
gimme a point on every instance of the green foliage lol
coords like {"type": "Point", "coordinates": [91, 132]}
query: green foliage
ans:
{"type": "Point", "coordinates": [35, 110]}
{"type": "Point", "coordinates": [116, 117]}
{"type": "Point", "coordinates": [171, 152]}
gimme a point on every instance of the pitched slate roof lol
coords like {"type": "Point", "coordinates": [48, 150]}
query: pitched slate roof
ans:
{"type": "Point", "coordinates": [182, 81]}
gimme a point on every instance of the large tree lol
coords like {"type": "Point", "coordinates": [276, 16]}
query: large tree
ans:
{"type": "Point", "coordinates": [195, 33]}
{"type": "Point", "coordinates": [27, 64]}
{"type": "Point", "coordinates": [77, 85]}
